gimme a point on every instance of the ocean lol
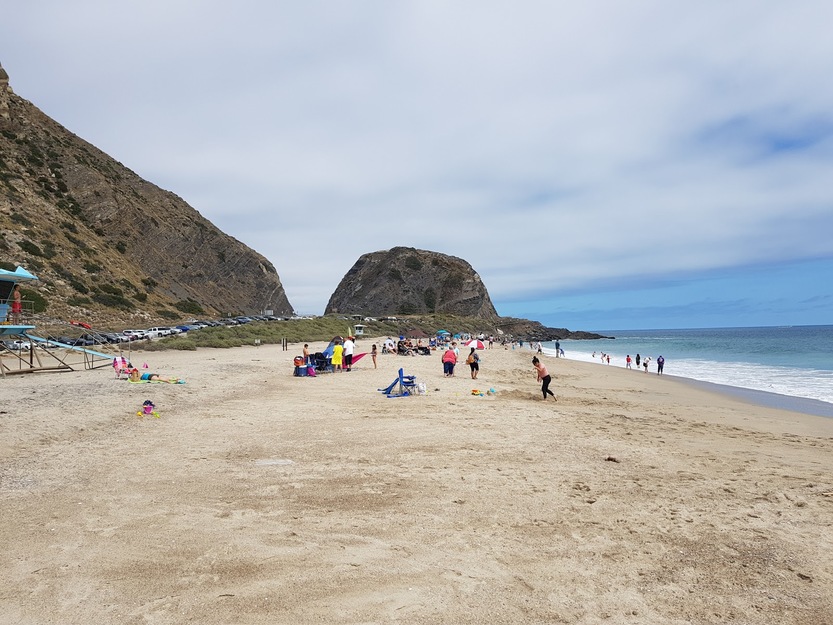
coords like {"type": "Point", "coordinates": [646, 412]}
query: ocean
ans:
{"type": "Point", "coordinates": [788, 367]}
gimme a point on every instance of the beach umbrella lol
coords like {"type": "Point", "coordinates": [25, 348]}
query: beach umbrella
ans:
{"type": "Point", "coordinates": [476, 344]}
{"type": "Point", "coordinates": [443, 332]}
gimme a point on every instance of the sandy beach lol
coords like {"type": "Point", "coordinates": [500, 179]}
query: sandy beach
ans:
{"type": "Point", "coordinates": [260, 497]}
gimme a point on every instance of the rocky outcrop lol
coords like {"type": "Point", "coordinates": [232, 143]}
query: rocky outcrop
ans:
{"type": "Point", "coordinates": [102, 239]}
{"type": "Point", "coordinates": [407, 281]}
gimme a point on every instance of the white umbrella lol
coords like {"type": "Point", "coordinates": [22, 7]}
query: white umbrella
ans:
{"type": "Point", "coordinates": [476, 344]}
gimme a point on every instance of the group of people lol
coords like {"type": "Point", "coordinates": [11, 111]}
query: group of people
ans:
{"type": "Point", "coordinates": [449, 360]}
{"type": "Point", "coordinates": [342, 358]}
{"type": "Point", "coordinates": [644, 362]}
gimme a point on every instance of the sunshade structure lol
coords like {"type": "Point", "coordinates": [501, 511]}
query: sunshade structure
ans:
{"type": "Point", "coordinates": [476, 344]}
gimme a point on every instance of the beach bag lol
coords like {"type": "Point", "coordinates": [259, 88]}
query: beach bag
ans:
{"type": "Point", "coordinates": [470, 359]}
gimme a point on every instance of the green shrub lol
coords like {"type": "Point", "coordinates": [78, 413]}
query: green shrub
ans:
{"type": "Point", "coordinates": [112, 289]}
{"type": "Point", "coordinates": [20, 219]}
{"type": "Point", "coordinates": [412, 262]}
{"type": "Point", "coordinates": [121, 247]}
{"type": "Point", "coordinates": [430, 299]}
{"type": "Point", "coordinates": [31, 248]}
{"type": "Point", "coordinates": [91, 267]}
{"type": "Point", "coordinates": [141, 297]}
{"type": "Point", "coordinates": [176, 342]}
{"type": "Point", "coordinates": [49, 249]}
{"type": "Point", "coordinates": [167, 314]}
{"type": "Point", "coordinates": [190, 307]}
{"type": "Point", "coordinates": [112, 301]}
{"type": "Point", "coordinates": [76, 242]}
{"type": "Point", "coordinates": [79, 301]}
{"type": "Point", "coordinates": [39, 303]}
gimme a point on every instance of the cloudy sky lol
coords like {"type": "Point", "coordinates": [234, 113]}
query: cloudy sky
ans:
{"type": "Point", "coordinates": [601, 164]}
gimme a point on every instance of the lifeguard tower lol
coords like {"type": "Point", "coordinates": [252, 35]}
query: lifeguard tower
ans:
{"type": "Point", "coordinates": [20, 351]}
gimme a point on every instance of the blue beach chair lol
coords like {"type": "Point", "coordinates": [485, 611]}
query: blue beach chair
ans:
{"type": "Point", "coordinates": [402, 386]}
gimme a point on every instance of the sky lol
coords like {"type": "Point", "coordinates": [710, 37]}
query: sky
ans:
{"type": "Point", "coordinates": [602, 165]}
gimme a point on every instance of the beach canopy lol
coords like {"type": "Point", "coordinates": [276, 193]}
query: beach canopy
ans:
{"type": "Point", "coordinates": [18, 275]}
{"type": "Point", "coordinates": [476, 344]}
{"type": "Point", "coordinates": [443, 332]}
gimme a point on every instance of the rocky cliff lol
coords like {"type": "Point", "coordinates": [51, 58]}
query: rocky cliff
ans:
{"type": "Point", "coordinates": [407, 281]}
{"type": "Point", "coordinates": [107, 243]}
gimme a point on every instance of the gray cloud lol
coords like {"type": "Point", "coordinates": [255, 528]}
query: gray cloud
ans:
{"type": "Point", "coordinates": [555, 146]}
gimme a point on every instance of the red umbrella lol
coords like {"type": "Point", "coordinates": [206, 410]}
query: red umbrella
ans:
{"type": "Point", "coordinates": [476, 344]}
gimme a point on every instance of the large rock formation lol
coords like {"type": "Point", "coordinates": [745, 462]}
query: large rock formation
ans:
{"type": "Point", "coordinates": [407, 281]}
{"type": "Point", "coordinates": [106, 242]}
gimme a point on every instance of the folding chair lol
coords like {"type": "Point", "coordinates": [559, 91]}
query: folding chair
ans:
{"type": "Point", "coordinates": [402, 386]}
{"type": "Point", "coordinates": [122, 368]}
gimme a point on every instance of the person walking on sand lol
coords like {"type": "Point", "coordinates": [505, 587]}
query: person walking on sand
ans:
{"type": "Point", "coordinates": [660, 365]}
{"type": "Point", "coordinates": [473, 361]}
{"type": "Point", "coordinates": [543, 377]}
{"type": "Point", "coordinates": [628, 362]}
{"type": "Point", "coordinates": [449, 360]}
{"type": "Point", "coordinates": [373, 353]}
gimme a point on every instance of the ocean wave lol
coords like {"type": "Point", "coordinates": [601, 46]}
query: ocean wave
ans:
{"type": "Point", "coordinates": [806, 383]}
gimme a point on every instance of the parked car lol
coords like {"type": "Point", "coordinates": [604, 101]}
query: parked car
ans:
{"type": "Point", "coordinates": [16, 344]}
{"type": "Point", "coordinates": [134, 335]}
{"type": "Point", "coordinates": [157, 332]}
{"type": "Point", "coordinates": [92, 339]}
{"type": "Point", "coordinates": [113, 337]}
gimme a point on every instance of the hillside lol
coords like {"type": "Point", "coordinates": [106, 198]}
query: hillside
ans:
{"type": "Point", "coordinates": [107, 244]}
{"type": "Point", "coordinates": [407, 281]}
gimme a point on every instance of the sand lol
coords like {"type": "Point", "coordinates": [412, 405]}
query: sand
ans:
{"type": "Point", "coordinates": [259, 497]}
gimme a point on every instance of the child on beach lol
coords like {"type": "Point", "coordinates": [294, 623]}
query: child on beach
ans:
{"type": "Point", "coordinates": [543, 377]}
{"type": "Point", "coordinates": [338, 351]}
{"type": "Point", "coordinates": [373, 354]}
